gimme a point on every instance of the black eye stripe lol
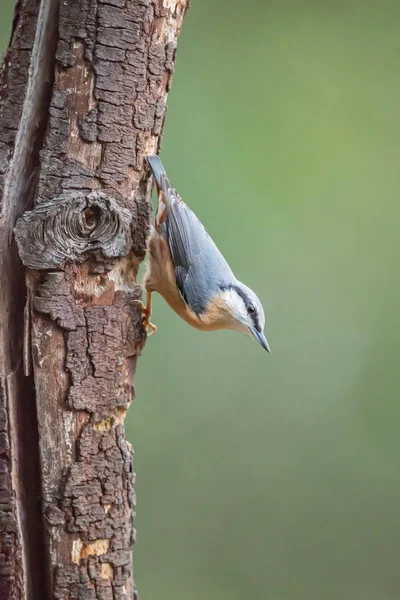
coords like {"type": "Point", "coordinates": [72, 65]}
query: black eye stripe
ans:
{"type": "Point", "coordinates": [248, 304]}
{"type": "Point", "coordinates": [256, 322]}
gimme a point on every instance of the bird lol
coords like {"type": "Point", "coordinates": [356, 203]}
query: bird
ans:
{"type": "Point", "coordinates": [186, 268]}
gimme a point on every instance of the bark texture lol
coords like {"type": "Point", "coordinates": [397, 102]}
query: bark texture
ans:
{"type": "Point", "coordinates": [20, 522]}
{"type": "Point", "coordinates": [84, 91]}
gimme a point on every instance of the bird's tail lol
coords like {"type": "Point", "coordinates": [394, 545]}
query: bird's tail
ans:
{"type": "Point", "coordinates": [159, 173]}
{"type": "Point", "coordinates": [164, 189]}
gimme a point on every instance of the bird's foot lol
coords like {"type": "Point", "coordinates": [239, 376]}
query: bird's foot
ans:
{"type": "Point", "coordinates": [147, 324]}
{"type": "Point", "coordinates": [146, 312]}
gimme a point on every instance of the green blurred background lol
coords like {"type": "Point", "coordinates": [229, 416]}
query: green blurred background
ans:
{"type": "Point", "coordinates": [277, 477]}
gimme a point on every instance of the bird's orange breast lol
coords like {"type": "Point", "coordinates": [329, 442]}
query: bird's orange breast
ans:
{"type": "Point", "coordinates": [160, 277]}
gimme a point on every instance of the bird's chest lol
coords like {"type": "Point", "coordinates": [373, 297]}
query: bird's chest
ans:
{"type": "Point", "coordinates": [161, 278]}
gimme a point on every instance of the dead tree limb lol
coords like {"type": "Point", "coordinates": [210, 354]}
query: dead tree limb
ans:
{"type": "Point", "coordinates": [83, 98]}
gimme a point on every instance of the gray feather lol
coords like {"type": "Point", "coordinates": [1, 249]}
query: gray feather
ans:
{"type": "Point", "coordinates": [157, 169]}
{"type": "Point", "coordinates": [200, 269]}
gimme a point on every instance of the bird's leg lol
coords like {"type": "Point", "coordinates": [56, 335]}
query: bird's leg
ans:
{"type": "Point", "coordinates": [146, 312]}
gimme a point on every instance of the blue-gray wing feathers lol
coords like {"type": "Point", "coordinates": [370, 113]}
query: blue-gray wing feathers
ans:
{"type": "Point", "coordinates": [201, 270]}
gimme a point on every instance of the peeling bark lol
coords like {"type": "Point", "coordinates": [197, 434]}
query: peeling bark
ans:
{"type": "Point", "coordinates": [21, 530]}
{"type": "Point", "coordinates": [84, 91]}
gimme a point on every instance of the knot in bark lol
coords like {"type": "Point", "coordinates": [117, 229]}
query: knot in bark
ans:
{"type": "Point", "coordinates": [70, 228]}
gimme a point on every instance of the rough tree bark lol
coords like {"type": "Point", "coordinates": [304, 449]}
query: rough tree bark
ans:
{"type": "Point", "coordinates": [83, 95]}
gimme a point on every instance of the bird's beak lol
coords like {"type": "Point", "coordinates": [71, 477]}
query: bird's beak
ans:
{"type": "Point", "coordinates": [261, 339]}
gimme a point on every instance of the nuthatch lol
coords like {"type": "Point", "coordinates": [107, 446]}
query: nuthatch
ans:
{"type": "Point", "coordinates": [188, 270]}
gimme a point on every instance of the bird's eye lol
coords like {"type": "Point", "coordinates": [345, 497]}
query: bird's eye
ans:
{"type": "Point", "coordinates": [251, 309]}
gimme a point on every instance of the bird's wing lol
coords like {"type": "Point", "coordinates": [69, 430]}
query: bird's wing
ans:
{"type": "Point", "coordinates": [200, 268]}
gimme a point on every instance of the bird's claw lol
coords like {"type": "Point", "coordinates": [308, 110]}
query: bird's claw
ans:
{"type": "Point", "coordinates": [139, 304]}
{"type": "Point", "coordinates": [147, 324]}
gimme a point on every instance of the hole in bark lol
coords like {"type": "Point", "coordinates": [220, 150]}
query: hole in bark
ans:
{"type": "Point", "coordinates": [91, 216]}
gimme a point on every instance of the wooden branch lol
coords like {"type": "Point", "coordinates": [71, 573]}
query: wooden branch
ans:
{"type": "Point", "coordinates": [93, 77]}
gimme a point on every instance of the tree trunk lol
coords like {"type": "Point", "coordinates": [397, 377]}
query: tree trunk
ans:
{"type": "Point", "coordinates": [83, 96]}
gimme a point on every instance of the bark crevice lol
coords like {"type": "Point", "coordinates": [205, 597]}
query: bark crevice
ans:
{"type": "Point", "coordinates": [83, 90]}
{"type": "Point", "coordinates": [25, 91]}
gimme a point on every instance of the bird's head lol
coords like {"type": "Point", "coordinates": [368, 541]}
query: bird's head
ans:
{"type": "Point", "coordinates": [244, 312]}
